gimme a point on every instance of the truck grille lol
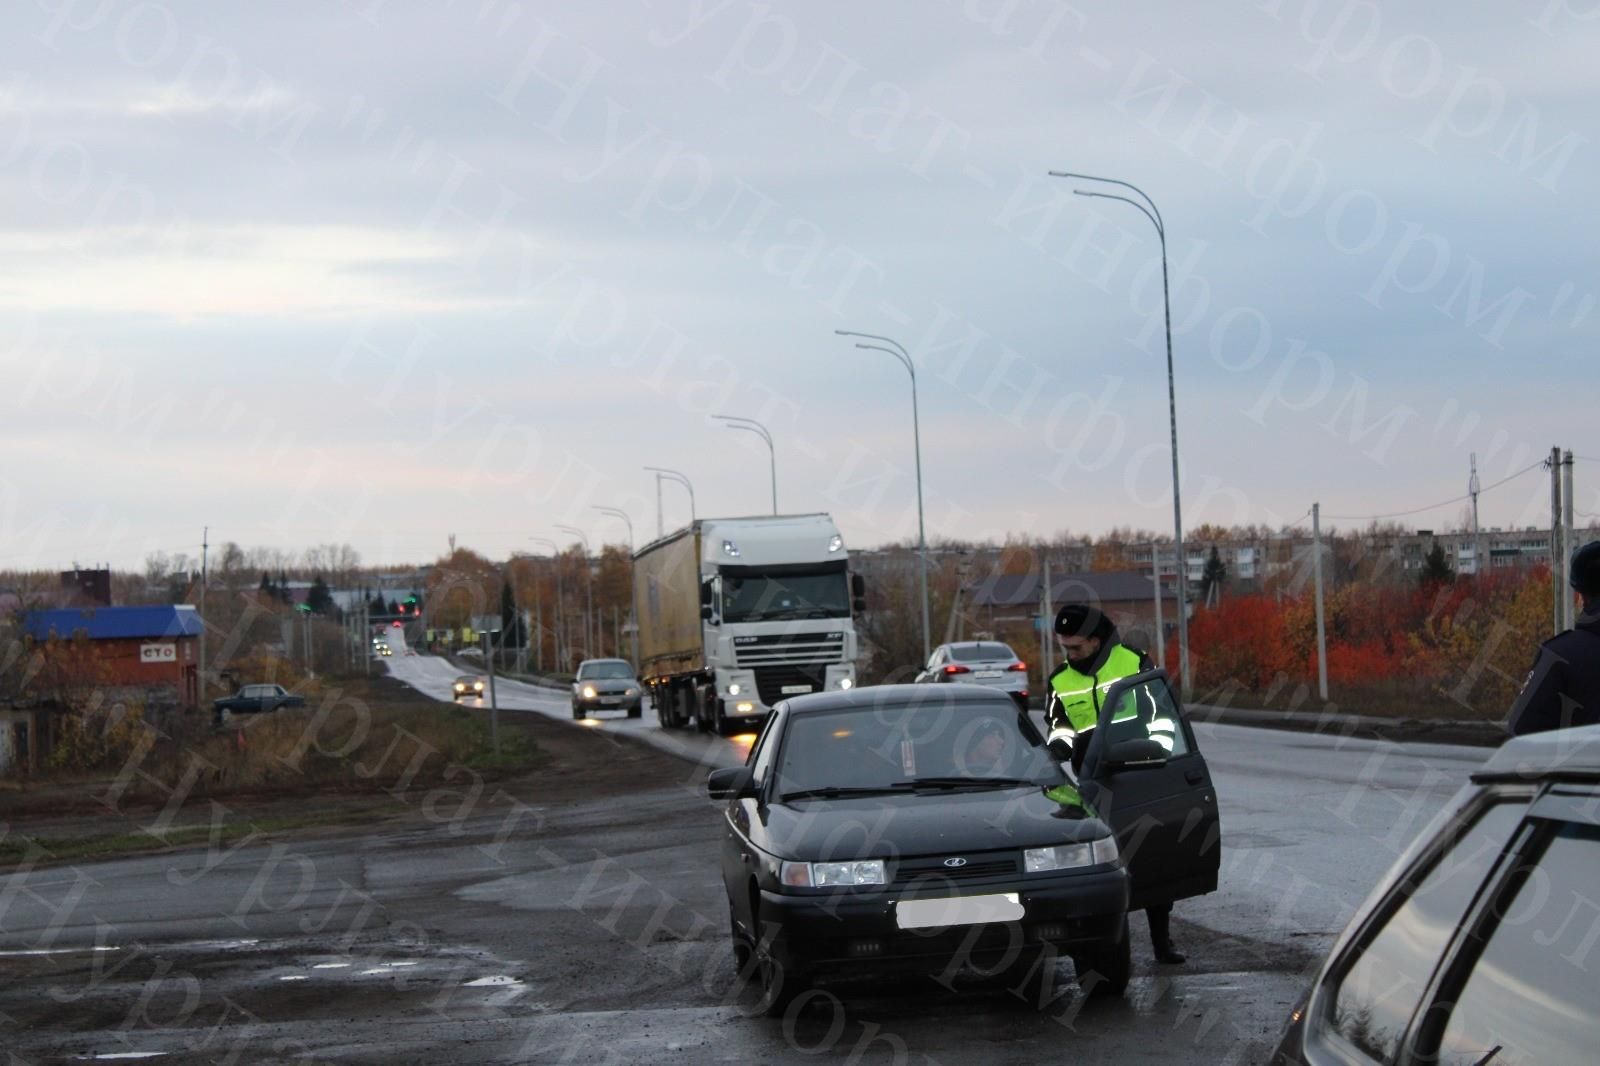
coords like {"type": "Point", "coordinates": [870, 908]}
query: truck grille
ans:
{"type": "Point", "coordinates": [772, 680]}
{"type": "Point", "coordinates": [932, 872]}
{"type": "Point", "coordinates": [789, 649]}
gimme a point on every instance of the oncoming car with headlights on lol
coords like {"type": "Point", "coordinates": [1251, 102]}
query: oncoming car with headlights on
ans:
{"type": "Point", "coordinates": [468, 687]}
{"type": "Point", "coordinates": [606, 684]}
{"type": "Point", "coordinates": [928, 829]}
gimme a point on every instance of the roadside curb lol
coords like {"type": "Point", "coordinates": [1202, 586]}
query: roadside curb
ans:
{"type": "Point", "coordinates": [1399, 730]}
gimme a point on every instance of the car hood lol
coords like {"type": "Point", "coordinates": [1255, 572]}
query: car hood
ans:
{"type": "Point", "coordinates": [928, 823]}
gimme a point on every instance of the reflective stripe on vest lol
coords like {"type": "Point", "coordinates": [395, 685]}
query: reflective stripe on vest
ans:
{"type": "Point", "coordinates": [1077, 692]}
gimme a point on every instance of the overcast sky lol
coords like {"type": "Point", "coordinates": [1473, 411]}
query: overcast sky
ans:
{"type": "Point", "coordinates": [381, 272]}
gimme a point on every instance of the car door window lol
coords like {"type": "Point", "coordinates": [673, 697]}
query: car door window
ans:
{"type": "Point", "coordinates": [1377, 994]}
{"type": "Point", "coordinates": [1533, 996]}
{"type": "Point", "coordinates": [761, 755]}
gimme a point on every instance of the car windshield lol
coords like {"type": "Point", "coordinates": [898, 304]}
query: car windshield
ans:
{"type": "Point", "coordinates": [981, 653]}
{"type": "Point", "coordinates": [893, 746]}
{"type": "Point", "coordinates": [757, 597]}
{"type": "Point", "coordinates": [611, 671]}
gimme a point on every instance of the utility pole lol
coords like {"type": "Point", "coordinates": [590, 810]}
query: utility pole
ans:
{"type": "Point", "coordinates": [1047, 618]}
{"type": "Point", "coordinates": [1155, 583]}
{"type": "Point", "coordinates": [1316, 570]}
{"type": "Point", "coordinates": [1569, 609]}
{"type": "Point", "coordinates": [661, 529]}
{"type": "Point", "coordinates": [494, 704]}
{"type": "Point", "coordinates": [1477, 546]}
{"type": "Point", "coordinates": [205, 534]}
{"type": "Point", "coordinates": [366, 637]}
{"type": "Point", "coordinates": [1558, 547]}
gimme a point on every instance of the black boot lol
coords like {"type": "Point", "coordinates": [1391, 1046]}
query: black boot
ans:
{"type": "Point", "coordinates": [1161, 935]}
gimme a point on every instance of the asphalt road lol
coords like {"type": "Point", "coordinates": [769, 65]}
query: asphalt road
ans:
{"type": "Point", "coordinates": [596, 932]}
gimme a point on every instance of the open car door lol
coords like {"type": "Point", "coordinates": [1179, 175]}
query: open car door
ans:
{"type": "Point", "coordinates": [1144, 775]}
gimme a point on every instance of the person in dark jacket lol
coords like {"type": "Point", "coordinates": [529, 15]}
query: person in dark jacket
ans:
{"type": "Point", "coordinates": [1563, 688]}
{"type": "Point", "coordinates": [1096, 659]}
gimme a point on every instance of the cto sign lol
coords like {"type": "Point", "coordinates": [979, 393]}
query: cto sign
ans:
{"type": "Point", "coordinates": [158, 653]}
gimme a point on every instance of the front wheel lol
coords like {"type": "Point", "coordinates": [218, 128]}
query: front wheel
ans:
{"type": "Point", "coordinates": [636, 711]}
{"type": "Point", "coordinates": [578, 715]}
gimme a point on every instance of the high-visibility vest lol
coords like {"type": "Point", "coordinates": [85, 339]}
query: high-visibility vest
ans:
{"type": "Point", "coordinates": [1076, 697]}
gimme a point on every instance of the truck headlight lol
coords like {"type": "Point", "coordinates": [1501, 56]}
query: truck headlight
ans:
{"type": "Point", "coordinates": [832, 874]}
{"type": "Point", "coordinates": [1069, 856]}
{"type": "Point", "coordinates": [588, 692]}
{"type": "Point", "coordinates": [845, 682]}
{"type": "Point", "coordinates": [733, 689]}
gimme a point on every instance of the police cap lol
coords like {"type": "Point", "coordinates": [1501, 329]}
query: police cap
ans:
{"type": "Point", "coordinates": [1082, 620]}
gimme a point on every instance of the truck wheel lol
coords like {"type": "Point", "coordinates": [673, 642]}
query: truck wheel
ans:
{"type": "Point", "coordinates": [702, 724]}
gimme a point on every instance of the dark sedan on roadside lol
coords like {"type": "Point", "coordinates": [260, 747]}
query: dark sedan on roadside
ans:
{"type": "Point", "coordinates": [927, 828]}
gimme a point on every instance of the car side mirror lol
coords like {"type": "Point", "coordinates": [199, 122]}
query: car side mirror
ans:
{"type": "Point", "coordinates": [734, 783]}
{"type": "Point", "coordinates": [1134, 755]}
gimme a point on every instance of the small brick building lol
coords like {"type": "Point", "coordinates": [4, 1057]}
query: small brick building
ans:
{"type": "Point", "coordinates": [151, 650]}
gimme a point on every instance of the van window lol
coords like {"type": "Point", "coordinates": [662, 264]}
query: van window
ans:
{"type": "Point", "coordinates": [1378, 994]}
{"type": "Point", "coordinates": [1533, 992]}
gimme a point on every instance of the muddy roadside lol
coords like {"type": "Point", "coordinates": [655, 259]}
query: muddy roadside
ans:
{"type": "Point", "coordinates": [366, 756]}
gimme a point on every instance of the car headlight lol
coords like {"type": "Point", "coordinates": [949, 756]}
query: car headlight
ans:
{"type": "Point", "coordinates": [832, 874]}
{"type": "Point", "coordinates": [478, 685]}
{"type": "Point", "coordinates": [1068, 856]}
{"type": "Point", "coordinates": [631, 692]}
{"type": "Point", "coordinates": [588, 692]}
{"type": "Point", "coordinates": [460, 687]}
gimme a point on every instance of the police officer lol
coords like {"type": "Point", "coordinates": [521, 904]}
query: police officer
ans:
{"type": "Point", "coordinates": [1096, 659]}
{"type": "Point", "coordinates": [1563, 688]}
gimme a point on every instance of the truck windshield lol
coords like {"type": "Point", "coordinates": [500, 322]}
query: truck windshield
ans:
{"type": "Point", "coordinates": [770, 597]}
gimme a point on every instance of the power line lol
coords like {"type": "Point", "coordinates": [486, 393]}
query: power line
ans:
{"type": "Point", "coordinates": [1435, 506]}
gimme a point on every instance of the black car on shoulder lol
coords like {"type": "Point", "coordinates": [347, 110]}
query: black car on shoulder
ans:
{"type": "Point", "coordinates": [1479, 947]}
{"type": "Point", "coordinates": [927, 828]}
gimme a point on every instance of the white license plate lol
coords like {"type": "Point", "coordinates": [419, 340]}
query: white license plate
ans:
{"type": "Point", "coordinates": [611, 703]}
{"type": "Point", "coordinates": [988, 673]}
{"type": "Point", "coordinates": [958, 910]}
{"type": "Point", "coordinates": [791, 690]}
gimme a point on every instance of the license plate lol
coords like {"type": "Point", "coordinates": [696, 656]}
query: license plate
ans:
{"type": "Point", "coordinates": [791, 690]}
{"type": "Point", "coordinates": [987, 673]}
{"type": "Point", "coordinates": [610, 703]}
{"type": "Point", "coordinates": [958, 910]}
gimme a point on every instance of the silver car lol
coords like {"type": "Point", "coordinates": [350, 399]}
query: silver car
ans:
{"type": "Point", "coordinates": [978, 662]}
{"type": "Point", "coordinates": [606, 685]}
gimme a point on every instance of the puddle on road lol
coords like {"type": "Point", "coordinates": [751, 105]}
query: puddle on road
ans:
{"type": "Point", "coordinates": [496, 981]}
{"type": "Point", "coordinates": [26, 953]}
{"type": "Point", "coordinates": [98, 1057]}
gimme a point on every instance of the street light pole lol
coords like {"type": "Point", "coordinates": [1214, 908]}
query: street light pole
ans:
{"type": "Point", "coordinates": [588, 586]}
{"type": "Point", "coordinates": [682, 479]}
{"type": "Point", "coordinates": [898, 351]}
{"type": "Point", "coordinates": [561, 608]}
{"type": "Point", "coordinates": [633, 592]}
{"type": "Point", "coordinates": [750, 425]}
{"type": "Point", "coordinates": [1150, 211]}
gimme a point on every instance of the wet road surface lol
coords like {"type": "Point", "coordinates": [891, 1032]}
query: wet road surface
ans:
{"type": "Point", "coordinates": [595, 931]}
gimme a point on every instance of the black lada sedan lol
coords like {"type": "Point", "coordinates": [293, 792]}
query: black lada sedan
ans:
{"type": "Point", "coordinates": [927, 828]}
